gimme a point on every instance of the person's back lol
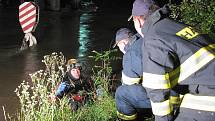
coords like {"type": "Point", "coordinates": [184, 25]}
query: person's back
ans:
{"type": "Point", "coordinates": [175, 56]}
{"type": "Point", "coordinates": [132, 58]}
{"type": "Point", "coordinates": [185, 43]}
{"type": "Point", "coordinates": [131, 100]}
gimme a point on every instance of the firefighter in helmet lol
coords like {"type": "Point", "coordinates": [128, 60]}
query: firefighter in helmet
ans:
{"type": "Point", "coordinates": [74, 85]}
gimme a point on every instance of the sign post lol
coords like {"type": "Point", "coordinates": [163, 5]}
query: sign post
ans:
{"type": "Point", "coordinates": [28, 19]}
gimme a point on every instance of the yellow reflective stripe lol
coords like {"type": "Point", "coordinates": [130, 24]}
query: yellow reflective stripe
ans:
{"type": "Point", "coordinates": [193, 64]}
{"type": "Point", "coordinates": [187, 33]}
{"type": "Point", "coordinates": [174, 100]}
{"type": "Point", "coordinates": [126, 117]}
{"type": "Point", "coordinates": [128, 80]}
{"type": "Point", "coordinates": [205, 103]}
{"type": "Point", "coordinates": [155, 81]}
{"type": "Point", "coordinates": [161, 108]}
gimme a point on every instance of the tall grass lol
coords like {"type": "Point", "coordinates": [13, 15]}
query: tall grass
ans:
{"type": "Point", "coordinates": [34, 96]}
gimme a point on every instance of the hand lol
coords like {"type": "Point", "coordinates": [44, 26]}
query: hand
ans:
{"type": "Point", "coordinates": [52, 97]}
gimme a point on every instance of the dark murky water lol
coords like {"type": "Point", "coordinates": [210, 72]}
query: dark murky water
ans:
{"type": "Point", "coordinates": [74, 33]}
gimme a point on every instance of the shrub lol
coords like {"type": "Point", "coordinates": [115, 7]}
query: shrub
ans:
{"type": "Point", "coordinates": [35, 104]}
{"type": "Point", "coordinates": [197, 13]}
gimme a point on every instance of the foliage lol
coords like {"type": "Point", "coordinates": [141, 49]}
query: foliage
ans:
{"type": "Point", "coordinates": [34, 96]}
{"type": "Point", "coordinates": [102, 71]}
{"type": "Point", "coordinates": [103, 110]}
{"type": "Point", "coordinates": [197, 13]}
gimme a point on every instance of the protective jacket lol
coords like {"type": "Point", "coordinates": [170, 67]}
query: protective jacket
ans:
{"type": "Point", "coordinates": [175, 54]}
{"type": "Point", "coordinates": [132, 63]}
{"type": "Point", "coordinates": [131, 96]}
{"type": "Point", "coordinates": [71, 85]}
{"type": "Point", "coordinates": [77, 90]}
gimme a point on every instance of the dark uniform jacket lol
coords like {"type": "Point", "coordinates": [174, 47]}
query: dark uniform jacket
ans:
{"type": "Point", "coordinates": [73, 86]}
{"type": "Point", "coordinates": [132, 59]}
{"type": "Point", "coordinates": [173, 54]}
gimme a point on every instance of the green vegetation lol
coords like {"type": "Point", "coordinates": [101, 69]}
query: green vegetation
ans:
{"type": "Point", "coordinates": [34, 96]}
{"type": "Point", "coordinates": [197, 13]}
{"type": "Point", "coordinates": [102, 70]}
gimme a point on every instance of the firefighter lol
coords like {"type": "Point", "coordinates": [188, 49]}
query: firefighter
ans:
{"type": "Point", "coordinates": [75, 86]}
{"type": "Point", "coordinates": [175, 56]}
{"type": "Point", "coordinates": [131, 100]}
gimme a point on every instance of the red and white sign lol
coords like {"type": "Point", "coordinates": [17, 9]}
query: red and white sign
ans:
{"type": "Point", "coordinates": [28, 16]}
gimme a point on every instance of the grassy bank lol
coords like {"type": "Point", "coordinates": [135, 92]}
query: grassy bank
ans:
{"type": "Point", "coordinates": [34, 96]}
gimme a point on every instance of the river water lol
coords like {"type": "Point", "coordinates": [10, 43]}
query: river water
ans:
{"type": "Point", "coordinates": [74, 33]}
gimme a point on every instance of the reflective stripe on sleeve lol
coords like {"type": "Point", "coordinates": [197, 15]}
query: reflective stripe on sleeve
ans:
{"type": "Point", "coordinates": [155, 81]}
{"type": "Point", "coordinates": [204, 103]}
{"type": "Point", "coordinates": [175, 100]}
{"type": "Point", "coordinates": [126, 117]}
{"type": "Point", "coordinates": [193, 64]}
{"type": "Point", "coordinates": [128, 80]}
{"type": "Point", "coordinates": [161, 108]}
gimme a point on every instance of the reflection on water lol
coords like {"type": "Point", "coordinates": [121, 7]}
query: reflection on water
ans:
{"type": "Point", "coordinates": [13, 70]}
{"type": "Point", "coordinates": [73, 33]}
{"type": "Point", "coordinates": [31, 63]}
{"type": "Point", "coordinates": [84, 31]}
